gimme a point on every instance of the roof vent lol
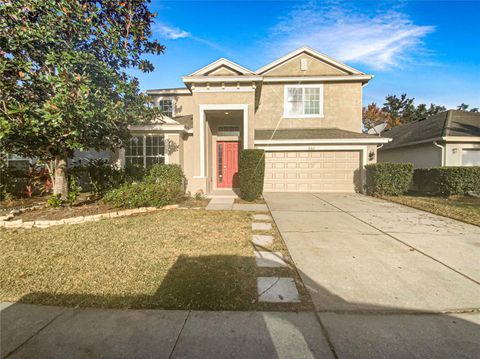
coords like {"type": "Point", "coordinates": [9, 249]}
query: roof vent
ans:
{"type": "Point", "coordinates": [303, 64]}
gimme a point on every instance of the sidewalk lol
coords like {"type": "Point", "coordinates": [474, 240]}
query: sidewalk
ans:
{"type": "Point", "coordinates": [29, 331]}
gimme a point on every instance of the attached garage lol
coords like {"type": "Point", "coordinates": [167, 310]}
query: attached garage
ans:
{"type": "Point", "coordinates": [312, 171]}
{"type": "Point", "coordinates": [316, 159]}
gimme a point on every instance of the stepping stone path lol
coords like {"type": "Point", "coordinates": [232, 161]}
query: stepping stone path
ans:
{"type": "Point", "coordinates": [262, 217]}
{"type": "Point", "coordinates": [277, 290]}
{"type": "Point", "coordinates": [261, 226]}
{"type": "Point", "coordinates": [262, 240]}
{"type": "Point", "coordinates": [266, 259]}
{"type": "Point", "coordinates": [271, 289]}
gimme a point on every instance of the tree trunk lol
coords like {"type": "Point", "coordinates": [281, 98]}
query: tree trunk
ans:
{"type": "Point", "coordinates": [60, 183]}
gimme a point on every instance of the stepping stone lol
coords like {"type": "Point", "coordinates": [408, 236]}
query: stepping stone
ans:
{"type": "Point", "coordinates": [250, 207]}
{"type": "Point", "coordinates": [262, 240]}
{"type": "Point", "coordinates": [277, 290]}
{"type": "Point", "coordinates": [269, 259]}
{"type": "Point", "coordinates": [262, 217]}
{"type": "Point", "coordinates": [261, 226]}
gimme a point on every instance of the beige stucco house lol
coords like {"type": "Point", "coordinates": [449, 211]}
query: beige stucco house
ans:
{"type": "Point", "coordinates": [304, 110]}
{"type": "Point", "coordinates": [450, 138]}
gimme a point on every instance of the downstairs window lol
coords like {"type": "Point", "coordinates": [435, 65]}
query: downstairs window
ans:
{"type": "Point", "coordinates": [145, 150]}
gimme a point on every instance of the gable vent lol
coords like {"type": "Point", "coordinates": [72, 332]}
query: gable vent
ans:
{"type": "Point", "coordinates": [303, 64]}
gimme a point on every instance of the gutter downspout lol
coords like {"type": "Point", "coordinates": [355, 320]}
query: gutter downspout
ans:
{"type": "Point", "coordinates": [435, 143]}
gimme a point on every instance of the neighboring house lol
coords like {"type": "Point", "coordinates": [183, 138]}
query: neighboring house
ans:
{"type": "Point", "coordinates": [304, 110]}
{"type": "Point", "coordinates": [450, 138]}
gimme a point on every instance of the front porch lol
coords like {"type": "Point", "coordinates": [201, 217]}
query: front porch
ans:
{"type": "Point", "coordinates": [223, 132]}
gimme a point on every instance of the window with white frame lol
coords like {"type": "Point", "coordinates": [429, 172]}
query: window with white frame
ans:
{"type": "Point", "coordinates": [145, 150]}
{"type": "Point", "coordinates": [303, 101]}
{"type": "Point", "coordinates": [166, 106]}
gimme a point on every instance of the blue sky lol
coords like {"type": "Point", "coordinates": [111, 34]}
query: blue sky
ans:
{"type": "Point", "coordinates": [428, 49]}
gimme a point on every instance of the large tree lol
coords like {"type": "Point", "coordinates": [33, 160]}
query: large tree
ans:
{"type": "Point", "coordinates": [398, 110]}
{"type": "Point", "coordinates": [63, 80]}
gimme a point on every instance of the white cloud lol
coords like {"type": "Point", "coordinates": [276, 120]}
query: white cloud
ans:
{"type": "Point", "coordinates": [379, 40]}
{"type": "Point", "coordinates": [174, 33]}
{"type": "Point", "coordinates": [170, 32]}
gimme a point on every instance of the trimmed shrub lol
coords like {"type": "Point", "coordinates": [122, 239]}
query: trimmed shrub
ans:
{"type": "Point", "coordinates": [447, 181]}
{"type": "Point", "coordinates": [388, 179]}
{"type": "Point", "coordinates": [133, 195]}
{"type": "Point", "coordinates": [252, 173]}
{"type": "Point", "coordinates": [134, 173]}
{"type": "Point", "coordinates": [164, 184]}
{"type": "Point", "coordinates": [171, 175]}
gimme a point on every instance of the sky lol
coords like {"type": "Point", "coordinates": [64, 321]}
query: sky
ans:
{"type": "Point", "coordinates": [429, 50]}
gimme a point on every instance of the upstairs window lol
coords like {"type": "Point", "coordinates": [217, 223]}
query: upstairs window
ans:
{"type": "Point", "coordinates": [303, 101]}
{"type": "Point", "coordinates": [145, 150]}
{"type": "Point", "coordinates": [166, 107]}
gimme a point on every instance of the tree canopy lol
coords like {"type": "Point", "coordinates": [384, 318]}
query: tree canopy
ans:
{"type": "Point", "coordinates": [398, 110]}
{"type": "Point", "coordinates": [63, 67]}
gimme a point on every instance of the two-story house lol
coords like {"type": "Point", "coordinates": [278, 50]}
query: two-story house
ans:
{"type": "Point", "coordinates": [304, 110]}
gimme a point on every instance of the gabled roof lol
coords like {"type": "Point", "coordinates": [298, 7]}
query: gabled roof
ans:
{"type": "Point", "coordinates": [444, 124]}
{"type": "Point", "coordinates": [222, 63]}
{"type": "Point", "coordinates": [313, 53]}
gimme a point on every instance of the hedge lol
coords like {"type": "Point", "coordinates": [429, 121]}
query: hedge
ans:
{"type": "Point", "coordinates": [447, 181]}
{"type": "Point", "coordinates": [389, 179]}
{"type": "Point", "coordinates": [164, 184]}
{"type": "Point", "coordinates": [252, 173]}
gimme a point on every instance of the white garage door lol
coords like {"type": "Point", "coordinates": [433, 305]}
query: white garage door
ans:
{"type": "Point", "coordinates": [315, 171]}
{"type": "Point", "coordinates": [471, 157]}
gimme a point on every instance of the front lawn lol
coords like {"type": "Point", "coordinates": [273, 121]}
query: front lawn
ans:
{"type": "Point", "coordinates": [179, 259]}
{"type": "Point", "coordinates": [465, 209]}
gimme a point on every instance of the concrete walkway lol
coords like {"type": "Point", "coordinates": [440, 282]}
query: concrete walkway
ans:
{"type": "Point", "coordinates": [30, 331]}
{"type": "Point", "coordinates": [227, 204]}
{"type": "Point", "coordinates": [386, 280]}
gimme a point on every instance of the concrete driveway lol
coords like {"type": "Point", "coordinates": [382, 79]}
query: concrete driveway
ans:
{"type": "Point", "coordinates": [386, 280]}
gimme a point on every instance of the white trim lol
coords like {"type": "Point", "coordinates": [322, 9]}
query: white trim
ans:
{"type": "Point", "coordinates": [177, 91]}
{"type": "Point", "coordinates": [219, 63]}
{"type": "Point", "coordinates": [318, 78]}
{"type": "Point", "coordinates": [205, 107]}
{"type": "Point", "coordinates": [285, 95]}
{"type": "Point", "coordinates": [313, 148]}
{"type": "Point", "coordinates": [461, 138]}
{"type": "Point", "coordinates": [166, 157]}
{"type": "Point", "coordinates": [173, 128]}
{"type": "Point", "coordinates": [239, 78]}
{"type": "Point", "coordinates": [220, 90]}
{"type": "Point", "coordinates": [162, 98]}
{"type": "Point", "coordinates": [312, 52]}
{"type": "Point", "coordinates": [324, 141]}
{"type": "Point", "coordinates": [428, 140]}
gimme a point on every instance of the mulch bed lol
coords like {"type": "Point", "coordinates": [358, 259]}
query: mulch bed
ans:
{"type": "Point", "coordinates": [84, 209]}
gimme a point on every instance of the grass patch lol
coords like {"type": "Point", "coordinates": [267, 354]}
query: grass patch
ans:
{"type": "Point", "coordinates": [188, 259]}
{"type": "Point", "coordinates": [465, 209]}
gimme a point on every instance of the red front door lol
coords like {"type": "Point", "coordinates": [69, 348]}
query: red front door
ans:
{"type": "Point", "coordinates": [227, 164]}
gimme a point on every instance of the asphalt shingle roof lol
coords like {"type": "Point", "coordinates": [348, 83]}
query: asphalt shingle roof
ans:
{"type": "Point", "coordinates": [447, 123]}
{"type": "Point", "coordinates": [309, 134]}
{"type": "Point", "coordinates": [187, 121]}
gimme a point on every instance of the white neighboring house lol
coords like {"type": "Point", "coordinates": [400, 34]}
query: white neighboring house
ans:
{"type": "Point", "coordinates": [450, 138]}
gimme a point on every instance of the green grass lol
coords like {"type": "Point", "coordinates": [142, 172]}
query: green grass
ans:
{"type": "Point", "coordinates": [462, 208]}
{"type": "Point", "coordinates": [183, 259]}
